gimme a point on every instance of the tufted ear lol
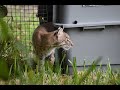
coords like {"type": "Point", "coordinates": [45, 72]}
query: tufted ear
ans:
{"type": "Point", "coordinates": [58, 32]}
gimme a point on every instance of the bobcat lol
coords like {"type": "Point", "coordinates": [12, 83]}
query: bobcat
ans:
{"type": "Point", "coordinates": [45, 40]}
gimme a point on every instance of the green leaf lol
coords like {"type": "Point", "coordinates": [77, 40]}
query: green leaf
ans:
{"type": "Point", "coordinates": [4, 71]}
{"type": "Point", "coordinates": [4, 30]}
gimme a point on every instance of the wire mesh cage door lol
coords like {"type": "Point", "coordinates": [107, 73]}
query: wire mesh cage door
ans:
{"type": "Point", "coordinates": [22, 21]}
{"type": "Point", "coordinates": [45, 13]}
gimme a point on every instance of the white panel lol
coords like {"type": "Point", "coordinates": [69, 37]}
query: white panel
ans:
{"type": "Point", "coordinates": [87, 16]}
{"type": "Point", "coordinates": [89, 45]}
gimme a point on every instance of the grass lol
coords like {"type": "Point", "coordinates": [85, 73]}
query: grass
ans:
{"type": "Point", "coordinates": [17, 70]}
{"type": "Point", "coordinates": [86, 77]}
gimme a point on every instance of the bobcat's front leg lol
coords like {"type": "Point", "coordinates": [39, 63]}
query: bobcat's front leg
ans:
{"type": "Point", "coordinates": [41, 63]}
{"type": "Point", "coordinates": [52, 57]}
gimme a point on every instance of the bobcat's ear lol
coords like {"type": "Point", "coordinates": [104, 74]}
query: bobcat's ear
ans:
{"type": "Point", "coordinates": [58, 32]}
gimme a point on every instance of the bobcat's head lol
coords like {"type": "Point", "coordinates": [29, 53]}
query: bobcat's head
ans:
{"type": "Point", "coordinates": [63, 39]}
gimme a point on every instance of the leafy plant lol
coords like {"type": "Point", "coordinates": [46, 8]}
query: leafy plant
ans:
{"type": "Point", "coordinates": [12, 51]}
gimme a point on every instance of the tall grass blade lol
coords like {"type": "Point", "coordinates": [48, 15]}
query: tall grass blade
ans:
{"type": "Point", "coordinates": [67, 71]}
{"type": "Point", "coordinates": [98, 72]}
{"type": "Point", "coordinates": [84, 65]}
{"type": "Point", "coordinates": [10, 71]}
{"type": "Point", "coordinates": [75, 74]}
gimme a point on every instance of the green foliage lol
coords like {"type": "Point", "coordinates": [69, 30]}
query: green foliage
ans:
{"type": "Point", "coordinates": [12, 51]}
{"type": "Point", "coordinates": [4, 71]}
